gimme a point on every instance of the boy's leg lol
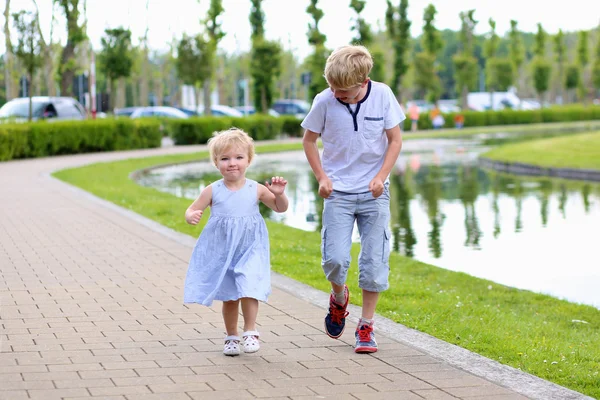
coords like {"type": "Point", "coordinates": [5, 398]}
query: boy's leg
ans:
{"type": "Point", "coordinates": [373, 218]}
{"type": "Point", "coordinates": [336, 241]}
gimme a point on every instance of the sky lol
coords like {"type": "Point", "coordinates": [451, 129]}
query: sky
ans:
{"type": "Point", "coordinates": [287, 20]}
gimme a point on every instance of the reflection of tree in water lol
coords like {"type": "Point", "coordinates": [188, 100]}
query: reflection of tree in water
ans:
{"type": "Point", "coordinates": [496, 188]}
{"type": "Point", "coordinates": [562, 200]}
{"type": "Point", "coordinates": [431, 189]}
{"type": "Point", "coordinates": [469, 190]}
{"type": "Point", "coordinates": [545, 192]}
{"type": "Point", "coordinates": [585, 193]}
{"type": "Point", "coordinates": [400, 196]}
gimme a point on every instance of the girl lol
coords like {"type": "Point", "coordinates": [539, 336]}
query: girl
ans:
{"type": "Point", "coordinates": [231, 260]}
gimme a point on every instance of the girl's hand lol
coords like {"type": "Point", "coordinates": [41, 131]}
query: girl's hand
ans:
{"type": "Point", "coordinates": [277, 185]}
{"type": "Point", "coordinates": [193, 217]}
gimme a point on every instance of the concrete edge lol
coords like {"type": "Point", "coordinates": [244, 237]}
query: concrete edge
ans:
{"type": "Point", "coordinates": [534, 170]}
{"type": "Point", "coordinates": [493, 371]}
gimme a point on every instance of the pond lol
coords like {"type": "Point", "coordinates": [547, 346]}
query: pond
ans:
{"type": "Point", "coordinates": [538, 234]}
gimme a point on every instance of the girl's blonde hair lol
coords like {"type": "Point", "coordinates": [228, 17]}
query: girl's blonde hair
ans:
{"type": "Point", "coordinates": [348, 66]}
{"type": "Point", "coordinates": [224, 140]}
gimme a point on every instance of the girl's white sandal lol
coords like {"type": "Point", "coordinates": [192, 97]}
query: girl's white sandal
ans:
{"type": "Point", "coordinates": [250, 341]}
{"type": "Point", "coordinates": [232, 346]}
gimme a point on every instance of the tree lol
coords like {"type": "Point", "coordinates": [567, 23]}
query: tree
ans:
{"type": "Point", "coordinates": [541, 67]}
{"type": "Point", "coordinates": [560, 54]}
{"type": "Point", "coordinates": [465, 63]}
{"type": "Point", "coordinates": [28, 49]}
{"type": "Point", "coordinates": [48, 52]}
{"type": "Point", "coordinates": [10, 81]}
{"type": "Point", "coordinates": [583, 58]}
{"type": "Point", "coordinates": [516, 50]}
{"type": "Point", "coordinates": [192, 66]}
{"type": "Point", "coordinates": [115, 58]}
{"type": "Point", "coordinates": [364, 36]}
{"type": "Point", "coordinates": [398, 28]}
{"type": "Point", "coordinates": [265, 64]}
{"type": "Point", "coordinates": [316, 61]}
{"type": "Point", "coordinates": [214, 34]}
{"type": "Point", "coordinates": [572, 79]}
{"type": "Point", "coordinates": [596, 66]}
{"type": "Point", "coordinates": [490, 52]}
{"type": "Point", "coordinates": [75, 35]}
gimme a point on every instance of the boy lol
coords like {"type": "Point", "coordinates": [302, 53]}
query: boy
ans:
{"type": "Point", "coordinates": [358, 122]}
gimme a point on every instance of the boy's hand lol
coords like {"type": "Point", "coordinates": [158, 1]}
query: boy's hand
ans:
{"type": "Point", "coordinates": [277, 185]}
{"type": "Point", "coordinates": [325, 187]}
{"type": "Point", "coordinates": [193, 217]}
{"type": "Point", "coordinates": [376, 187]}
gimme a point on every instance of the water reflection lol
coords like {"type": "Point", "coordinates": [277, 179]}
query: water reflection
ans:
{"type": "Point", "coordinates": [522, 232]}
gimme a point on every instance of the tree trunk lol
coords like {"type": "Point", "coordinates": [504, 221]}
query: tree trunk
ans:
{"type": "Point", "coordinates": [10, 83]}
{"type": "Point", "coordinates": [159, 89]}
{"type": "Point", "coordinates": [121, 93]}
{"type": "Point", "coordinates": [144, 78]}
{"type": "Point", "coordinates": [464, 98]}
{"type": "Point", "coordinates": [206, 88]}
{"type": "Point", "coordinates": [67, 74]}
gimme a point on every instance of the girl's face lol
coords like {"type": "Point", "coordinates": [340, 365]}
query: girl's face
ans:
{"type": "Point", "coordinates": [232, 163]}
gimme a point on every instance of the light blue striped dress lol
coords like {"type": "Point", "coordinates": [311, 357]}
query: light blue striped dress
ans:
{"type": "Point", "coordinates": [231, 258]}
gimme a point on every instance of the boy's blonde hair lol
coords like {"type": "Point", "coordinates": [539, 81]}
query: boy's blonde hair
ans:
{"type": "Point", "coordinates": [224, 140]}
{"type": "Point", "coordinates": [348, 67]}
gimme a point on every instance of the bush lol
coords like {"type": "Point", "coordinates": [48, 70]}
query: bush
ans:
{"type": "Point", "coordinates": [40, 139]}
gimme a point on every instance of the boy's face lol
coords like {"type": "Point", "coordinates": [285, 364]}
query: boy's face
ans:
{"type": "Point", "coordinates": [352, 95]}
{"type": "Point", "coordinates": [232, 163]}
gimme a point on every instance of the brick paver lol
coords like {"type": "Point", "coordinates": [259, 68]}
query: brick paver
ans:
{"type": "Point", "coordinates": [91, 308]}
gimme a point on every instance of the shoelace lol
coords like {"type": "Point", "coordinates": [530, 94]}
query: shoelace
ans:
{"type": "Point", "coordinates": [364, 333]}
{"type": "Point", "coordinates": [337, 314]}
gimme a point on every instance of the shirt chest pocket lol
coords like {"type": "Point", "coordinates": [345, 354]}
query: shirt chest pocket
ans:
{"type": "Point", "coordinates": [373, 128]}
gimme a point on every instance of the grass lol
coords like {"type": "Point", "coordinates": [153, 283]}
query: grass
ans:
{"type": "Point", "coordinates": [535, 333]}
{"type": "Point", "coordinates": [581, 151]}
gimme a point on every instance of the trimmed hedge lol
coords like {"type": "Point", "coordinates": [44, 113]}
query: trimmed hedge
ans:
{"type": "Point", "coordinates": [259, 127]}
{"type": "Point", "coordinates": [41, 139]}
{"type": "Point", "coordinates": [513, 117]}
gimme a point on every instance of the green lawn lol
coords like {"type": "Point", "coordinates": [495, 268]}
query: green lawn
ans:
{"type": "Point", "coordinates": [580, 151]}
{"type": "Point", "coordinates": [533, 332]}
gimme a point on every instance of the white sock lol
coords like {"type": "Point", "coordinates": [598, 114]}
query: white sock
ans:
{"type": "Point", "coordinates": [340, 298]}
{"type": "Point", "coordinates": [365, 321]}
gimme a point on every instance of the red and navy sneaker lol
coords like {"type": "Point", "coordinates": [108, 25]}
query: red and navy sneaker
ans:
{"type": "Point", "coordinates": [335, 321]}
{"type": "Point", "coordinates": [365, 338]}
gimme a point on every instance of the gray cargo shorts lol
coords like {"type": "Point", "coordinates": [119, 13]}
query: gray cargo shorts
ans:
{"type": "Point", "coordinates": [372, 216]}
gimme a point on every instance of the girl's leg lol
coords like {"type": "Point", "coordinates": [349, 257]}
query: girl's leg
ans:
{"type": "Point", "coordinates": [249, 311]}
{"type": "Point", "coordinates": [230, 316]}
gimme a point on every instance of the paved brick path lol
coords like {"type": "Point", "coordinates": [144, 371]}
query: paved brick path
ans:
{"type": "Point", "coordinates": [90, 307]}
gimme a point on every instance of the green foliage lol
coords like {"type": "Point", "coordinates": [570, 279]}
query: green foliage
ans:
{"type": "Point", "coordinates": [426, 78]}
{"type": "Point", "coordinates": [491, 45]}
{"type": "Point", "coordinates": [431, 40]}
{"type": "Point", "coordinates": [398, 27]}
{"type": "Point", "coordinates": [539, 48]}
{"type": "Point", "coordinates": [516, 49]}
{"type": "Point", "coordinates": [541, 75]}
{"type": "Point", "coordinates": [192, 64]}
{"type": "Point", "coordinates": [466, 71]}
{"type": "Point", "coordinates": [41, 139]}
{"type": "Point", "coordinates": [75, 35]}
{"type": "Point", "coordinates": [361, 27]}
{"type": "Point", "coordinates": [596, 65]}
{"type": "Point", "coordinates": [265, 67]}
{"type": "Point", "coordinates": [28, 49]}
{"type": "Point", "coordinates": [116, 56]}
{"type": "Point", "coordinates": [559, 47]}
{"type": "Point", "coordinates": [583, 54]}
{"type": "Point", "coordinates": [257, 20]}
{"type": "Point", "coordinates": [199, 130]}
{"type": "Point", "coordinates": [572, 76]}
{"type": "Point", "coordinates": [467, 31]}
{"type": "Point", "coordinates": [500, 74]}
{"type": "Point", "coordinates": [316, 61]}
{"type": "Point", "coordinates": [378, 70]}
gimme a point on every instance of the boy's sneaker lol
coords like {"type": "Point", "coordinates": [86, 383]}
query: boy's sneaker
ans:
{"type": "Point", "coordinates": [365, 338]}
{"type": "Point", "coordinates": [335, 321]}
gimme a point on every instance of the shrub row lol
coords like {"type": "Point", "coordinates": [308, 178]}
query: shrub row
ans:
{"type": "Point", "coordinates": [512, 117]}
{"type": "Point", "coordinates": [40, 139]}
{"type": "Point", "coordinates": [259, 127]}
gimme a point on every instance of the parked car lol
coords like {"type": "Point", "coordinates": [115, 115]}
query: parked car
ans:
{"type": "Point", "coordinates": [190, 113]}
{"type": "Point", "coordinates": [219, 110]}
{"type": "Point", "coordinates": [124, 112]}
{"type": "Point", "coordinates": [43, 107]}
{"type": "Point", "coordinates": [249, 110]}
{"type": "Point", "coordinates": [159, 111]}
{"type": "Point", "coordinates": [298, 108]}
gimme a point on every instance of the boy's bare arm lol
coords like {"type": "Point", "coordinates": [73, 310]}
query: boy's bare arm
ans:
{"type": "Point", "coordinates": [309, 142]}
{"type": "Point", "coordinates": [195, 210]}
{"type": "Point", "coordinates": [394, 136]}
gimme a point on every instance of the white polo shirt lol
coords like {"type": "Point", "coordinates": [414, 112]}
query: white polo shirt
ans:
{"type": "Point", "coordinates": [353, 135]}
